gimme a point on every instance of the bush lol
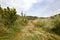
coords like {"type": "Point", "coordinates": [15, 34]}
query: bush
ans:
{"type": "Point", "coordinates": [56, 28]}
{"type": "Point", "coordinates": [8, 16]}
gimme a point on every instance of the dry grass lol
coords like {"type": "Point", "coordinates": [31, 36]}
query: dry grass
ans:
{"type": "Point", "coordinates": [30, 32]}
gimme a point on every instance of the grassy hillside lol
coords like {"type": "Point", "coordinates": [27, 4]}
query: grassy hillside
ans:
{"type": "Point", "coordinates": [16, 27]}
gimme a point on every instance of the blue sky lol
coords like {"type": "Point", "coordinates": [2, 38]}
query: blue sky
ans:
{"type": "Point", "coordinates": [40, 8]}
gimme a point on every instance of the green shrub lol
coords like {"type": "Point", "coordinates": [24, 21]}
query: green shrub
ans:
{"type": "Point", "coordinates": [56, 28]}
{"type": "Point", "coordinates": [8, 15]}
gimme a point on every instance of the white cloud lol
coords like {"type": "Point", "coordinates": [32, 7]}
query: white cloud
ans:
{"type": "Point", "coordinates": [19, 4]}
{"type": "Point", "coordinates": [26, 5]}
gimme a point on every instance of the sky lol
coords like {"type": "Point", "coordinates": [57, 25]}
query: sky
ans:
{"type": "Point", "coordinates": [40, 8]}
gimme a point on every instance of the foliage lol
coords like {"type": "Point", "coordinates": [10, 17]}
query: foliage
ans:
{"type": "Point", "coordinates": [56, 29]}
{"type": "Point", "coordinates": [8, 15]}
